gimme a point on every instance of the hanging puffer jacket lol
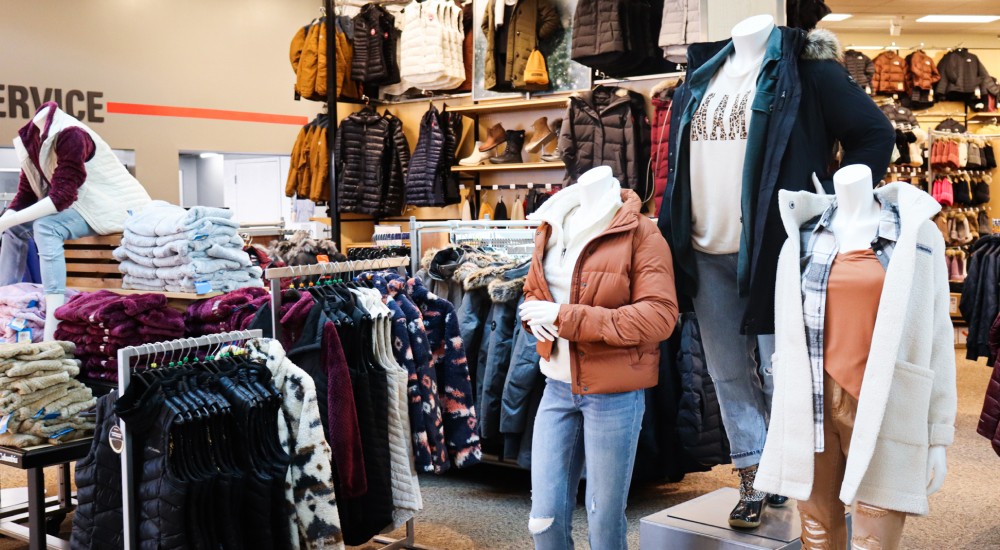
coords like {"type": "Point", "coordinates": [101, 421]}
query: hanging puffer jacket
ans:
{"type": "Point", "coordinates": [598, 37]}
{"type": "Point", "coordinates": [860, 67]}
{"type": "Point", "coordinates": [426, 159]}
{"type": "Point", "coordinates": [396, 163]}
{"type": "Point", "coordinates": [699, 420]}
{"type": "Point", "coordinates": [375, 37]}
{"type": "Point", "coordinates": [97, 523]}
{"type": "Point", "coordinates": [446, 184]}
{"type": "Point", "coordinates": [890, 73]}
{"type": "Point", "coordinates": [308, 57]}
{"type": "Point", "coordinates": [309, 171]}
{"type": "Point", "coordinates": [662, 96]}
{"type": "Point", "coordinates": [364, 141]}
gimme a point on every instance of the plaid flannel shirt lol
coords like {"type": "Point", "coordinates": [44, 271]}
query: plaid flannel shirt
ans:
{"type": "Point", "coordinates": [819, 249]}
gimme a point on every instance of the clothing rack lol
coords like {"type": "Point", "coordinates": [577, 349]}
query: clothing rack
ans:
{"type": "Point", "coordinates": [125, 356]}
{"type": "Point", "coordinates": [454, 227]}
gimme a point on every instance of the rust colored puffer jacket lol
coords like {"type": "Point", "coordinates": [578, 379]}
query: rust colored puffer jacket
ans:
{"type": "Point", "coordinates": [890, 73]}
{"type": "Point", "coordinates": [623, 303]}
{"type": "Point", "coordinates": [921, 72]}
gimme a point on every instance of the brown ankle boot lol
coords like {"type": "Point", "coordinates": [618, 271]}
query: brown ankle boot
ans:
{"type": "Point", "coordinates": [540, 135]}
{"type": "Point", "coordinates": [494, 137]}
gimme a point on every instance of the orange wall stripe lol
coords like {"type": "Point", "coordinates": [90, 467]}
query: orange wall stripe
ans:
{"type": "Point", "coordinates": [208, 114]}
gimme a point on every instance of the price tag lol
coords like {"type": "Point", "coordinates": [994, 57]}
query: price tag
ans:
{"type": "Point", "coordinates": [116, 439]}
{"type": "Point", "coordinates": [202, 287]}
{"type": "Point", "coordinates": [17, 324]}
{"type": "Point", "coordinates": [3, 423]}
{"type": "Point", "coordinates": [24, 336]}
{"type": "Point", "coordinates": [322, 259]}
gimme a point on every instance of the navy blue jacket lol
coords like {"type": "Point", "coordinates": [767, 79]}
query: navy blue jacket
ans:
{"type": "Point", "coordinates": [805, 104]}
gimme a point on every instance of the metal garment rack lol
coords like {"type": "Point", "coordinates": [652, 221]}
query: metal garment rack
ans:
{"type": "Point", "coordinates": [417, 228]}
{"type": "Point", "coordinates": [125, 356]}
{"type": "Point", "coordinates": [276, 274]}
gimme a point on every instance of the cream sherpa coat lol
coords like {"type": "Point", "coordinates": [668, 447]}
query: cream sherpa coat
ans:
{"type": "Point", "coordinates": [908, 395]}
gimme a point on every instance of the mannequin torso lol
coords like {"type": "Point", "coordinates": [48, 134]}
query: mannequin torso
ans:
{"type": "Point", "coordinates": [750, 40]}
{"type": "Point", "coordinates": [594, 184]}
{"type": "Point", "coordinates": [856, 221]}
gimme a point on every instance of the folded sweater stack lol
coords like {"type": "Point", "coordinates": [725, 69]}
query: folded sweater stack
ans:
{"type": "Point", "coordinates": [100, 323]}
{"type": "Point", "coordinates": [39, 396]}
{"type": "Point", "coordinates": [22, 305]}
{"type": "Point", "coordinates": [225, 313]}
{"type": "Point", "coordinates": [167, 248]}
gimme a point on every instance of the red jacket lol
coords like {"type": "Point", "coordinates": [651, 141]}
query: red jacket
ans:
{"type": "Point", "coordinates": [660, 147]}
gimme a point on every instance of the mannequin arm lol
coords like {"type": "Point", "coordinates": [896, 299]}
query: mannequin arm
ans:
{"type": "Point", "coordinates": [40, 209]}
{"type": "Point", "coordinates": [937, 468]}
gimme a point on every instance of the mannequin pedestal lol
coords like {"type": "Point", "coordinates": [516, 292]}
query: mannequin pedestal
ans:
{"type": "Point", "coordinates": [703, 524]}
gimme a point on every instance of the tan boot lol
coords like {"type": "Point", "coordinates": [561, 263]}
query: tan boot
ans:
{"type": "Point", "coordinates": [494, 137]}
{"type": "Point", "coordinates": [540, 135]}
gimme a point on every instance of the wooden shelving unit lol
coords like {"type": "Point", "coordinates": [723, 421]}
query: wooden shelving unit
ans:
{"type": "Point", "coordinates": [508, 105]}
{"type": "Point", "coordinates": [510, 167]}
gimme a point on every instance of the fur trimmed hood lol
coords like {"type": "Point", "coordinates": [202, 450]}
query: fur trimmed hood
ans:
{"type": "Point", "coordinates": [508, 287]}
{"type": "Point", "coordinates": [822, 44]}
{"type": "Point", "coordinates": [302, 249]}
{"type": "Point", "coordinates": [482, 277]}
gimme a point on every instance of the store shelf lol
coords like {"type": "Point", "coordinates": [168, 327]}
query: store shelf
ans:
{"type": "Point", "coordinates": [510, 167]}
{"type": "Point", "coordinates": [508, 105]}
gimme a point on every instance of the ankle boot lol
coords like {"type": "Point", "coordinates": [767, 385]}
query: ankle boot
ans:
{"type": "Point", "coordinates": [540, 135]}
{"type": "Point", "coordinates": [494, 137]}
{"type": "Point", "coordinates": [776, 501]}
{"type": "Point", "coordinates": [555, 155]}
{"type": "Point", "coordinates": [477, 157]}
{"type": "Point", "coordinates": [747, 513]}
{"type": "Point", "coordinates": [512, 153]}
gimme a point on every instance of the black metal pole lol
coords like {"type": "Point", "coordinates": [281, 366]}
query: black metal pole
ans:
{"type": "Point", "coordinates": [331, 129]}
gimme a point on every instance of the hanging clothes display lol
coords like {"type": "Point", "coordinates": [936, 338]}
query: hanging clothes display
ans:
{"type": "Point", "coordinates": [662, 97]}
{"type": "Point", "coordinates": [619, 38]}
{"type": "Point", "coordinates": [980, 300]}
{"type": "Point", "coordinates": [429, 179]}
{"type": "Point", "coordinates": [921, 76]}
{"type": "Point", "coordinates": [372, 158]}
{"type": "Point", "coordinates": [963, 76]}
{"type": "Point", "coordinates": [680, 25]}
{"type": "Point", "coordinates": [308, 56]}
{"type": "Point", "coordinates": [432, 45]}
{"type": "Point", "coordinates": [860, 67]}
{"type": "Point", "coordinates": [309, 171]}
{"type": "Point", "coordinates": [375, 37]}
{"type": "Point", "coordinates": [515, 29]}
{"type": "Point", "coordinates": [890, 73]}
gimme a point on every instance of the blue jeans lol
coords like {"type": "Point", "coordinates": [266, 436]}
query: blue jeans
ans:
{"type": "Point", "coordinates": [743, 384]}
{"type": "Point", "coordinates": [49, 233]}
{"type": "Point", "coordinates": [600, 430]}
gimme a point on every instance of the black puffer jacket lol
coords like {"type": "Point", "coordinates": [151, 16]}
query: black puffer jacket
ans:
{"type": "Point", "coordinates": [699, 420]}
{"type": "Point", "coordinates": [446, 185]}
{"type": "Point", "coordinates": [961, 73]}
{"type": "Point", "coordinates": [860, 67]}
{"type": "Point", "coordinates": [97, 524]}
{"type": "Point", "coordinates": [424, 163]}
{"type": "Point", "coordinates": [608, 126]}
{"type": "Point", "coordinates": [395, 163]}
{"type": "Point", "coordinates": [375, 37]}
{"type": "Point", "coordinates": [367, 149]}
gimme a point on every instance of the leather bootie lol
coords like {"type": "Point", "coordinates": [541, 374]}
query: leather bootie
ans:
{"type": "Point", "coordinates": [495, 136]}
{"type": "Point", "coordinates": [512, 153]}
{"type": "Point", "coordinates": [748, 511]}
{"type": "Point", "coordinates": [555, 155]}
{"type": "Point", "coordinates": [540, 135]}
{"type": "Point", "coordinates": [776, 501]}
{"type": "Point", "coordinates": [477, 157]}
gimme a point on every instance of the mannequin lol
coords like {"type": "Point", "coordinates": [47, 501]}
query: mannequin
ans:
{"type": "Point", "coordinates": [71, 186]}
{"type": "Point", "coordinates": [598, 322]}
{"type": "Point", "coordinates": [855, 226]}
{"type": "Point", "coordinates": [756, 115]}
{"type": "Point", "coordinates": [888, 408]}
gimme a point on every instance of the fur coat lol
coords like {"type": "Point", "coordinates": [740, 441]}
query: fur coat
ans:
{"type": "Point", "coordinates": [908, 396]}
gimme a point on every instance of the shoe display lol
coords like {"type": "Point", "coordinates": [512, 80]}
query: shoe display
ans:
{"type": "Point", "coordinates": [478, 156]}
{"type": "Point", "coordinates": [540, 135]}
{"type": "Point", "coordinates": [555, 155]}
{"type": "Point", "coordinates": [748, 511]}
{"type": "Point", "coordinates": [776, 501]}
{"type": "Point", "coordinates": [512, 152]}
{"type": "Point", "coordinates": [494, 136]}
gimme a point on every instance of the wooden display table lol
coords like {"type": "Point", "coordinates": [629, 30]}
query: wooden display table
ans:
{"type": "Point", "coordinates": [44, 515]}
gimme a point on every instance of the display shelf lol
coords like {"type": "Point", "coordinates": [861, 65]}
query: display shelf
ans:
{"type": "Point", "coordinates": [510, 167]}
{"type": "Point", "coordinates": [504, 106]}
{"type": "Point", "coordinates": [169, 295]}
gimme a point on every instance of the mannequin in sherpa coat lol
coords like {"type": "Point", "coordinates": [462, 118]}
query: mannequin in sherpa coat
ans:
{"type": "Point", "coordinates": [72, 185]}
{"type": "Point", "coordinates": [885, 447]}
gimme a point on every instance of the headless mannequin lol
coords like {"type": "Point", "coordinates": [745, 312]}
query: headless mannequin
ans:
{"type": "Point", "coordinates": [596, 183]}
{"type": "Point", "coordinates": [855, 225]}
{"type": "Point", "coordinates": [750, 41]}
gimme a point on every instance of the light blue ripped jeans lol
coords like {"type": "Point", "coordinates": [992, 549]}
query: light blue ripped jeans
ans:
{"type": "Point", "coordinates": [49, 232]}
{"type": "Point", "coordinates": [601, 430]}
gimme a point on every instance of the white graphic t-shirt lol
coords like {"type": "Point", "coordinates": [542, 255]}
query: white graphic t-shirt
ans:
{"type": "Point", "coordinates": [718, 149]}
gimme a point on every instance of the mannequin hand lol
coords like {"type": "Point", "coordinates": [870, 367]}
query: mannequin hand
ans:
{"type": "Point", "coordinates": [6, 220]}
{"type": "Point", "coordinates": [40, 209]}
{"type": "Point", "coordinates": [544, 333]}
{"type": "Point", "coordinates": [538, 312]}
{"type": "Point", "coordinates": [937, 468]}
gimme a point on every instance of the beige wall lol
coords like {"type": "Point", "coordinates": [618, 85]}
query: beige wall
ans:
{"type": "Point", "coordinates": [218, 54]}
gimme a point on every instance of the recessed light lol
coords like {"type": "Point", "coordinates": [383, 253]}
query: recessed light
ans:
{"type": "Point", "coordinates": [210, 155]}
{"type": "Point", "coordinates": [958, 18]}
{"type": "Point", "coordinates": [834, 17]}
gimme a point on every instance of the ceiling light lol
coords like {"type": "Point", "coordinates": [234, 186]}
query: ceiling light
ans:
{"type": "Point", "coordinates": [866, 47]}
{"type": "Point", "coordinates": [210, 155]}
{"type": "Point", "coordinates": [958, 18]}
{"type": "Point", "coordinates": [834, 17]}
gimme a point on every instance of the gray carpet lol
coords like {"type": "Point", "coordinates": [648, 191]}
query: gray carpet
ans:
{"type": "Point", "coordinates": [487, 507]}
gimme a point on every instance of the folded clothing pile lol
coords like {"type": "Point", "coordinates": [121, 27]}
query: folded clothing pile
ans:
{"type": "Point", "coordinates": [100, 323]}
{"type": "Point", "coordinates": [231, 311]}
{"type": "Point", "coordinates": [40, 400]}
{"type": "Point", "coordinates": [165, 247]}
{"type": "Point", "coordinates": [22, 308]}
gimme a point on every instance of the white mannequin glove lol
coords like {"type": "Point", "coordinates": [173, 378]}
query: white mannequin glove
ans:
{"type": "Point", "coordinates": [38, 210]}
{"type": "Point", "coordinates": [541, 317]}
{"type": "Point", "coordinates": [937, 468]}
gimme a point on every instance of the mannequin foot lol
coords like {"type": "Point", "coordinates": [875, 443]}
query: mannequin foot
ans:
{"type": "Point", "coordinates": [748, 511]}
{"type": "Point", "coordinates": [52, 302]}
{"type": "Point", "coordinates": [777, 501]}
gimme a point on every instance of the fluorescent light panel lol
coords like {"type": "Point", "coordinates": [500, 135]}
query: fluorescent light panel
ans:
{"type": "Point", "coordinates": [958, 19]}
{"type": "Point", "coordinates": [210, 155]}
{"type": "Point", "coordinates": [834, 17]}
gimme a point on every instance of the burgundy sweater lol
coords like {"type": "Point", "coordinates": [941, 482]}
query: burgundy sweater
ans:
{"type": "Point", "coordinates": [73, 148]}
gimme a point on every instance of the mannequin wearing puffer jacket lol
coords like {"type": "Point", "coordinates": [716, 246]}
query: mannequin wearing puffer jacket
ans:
{"type": "Point", "coordinates": [72, 185]}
